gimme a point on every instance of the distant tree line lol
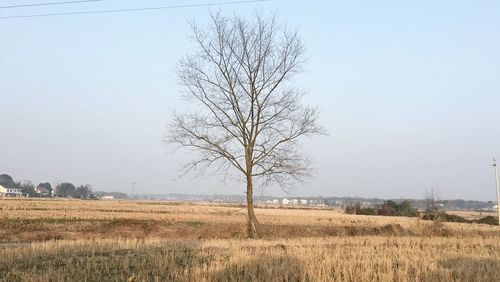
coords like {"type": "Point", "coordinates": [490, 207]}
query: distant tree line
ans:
{"type": "Point", "coordinates": [68, 190]}
{"type": "Point", "coordinates": [388, 208]}
{"type": "Point", "coordinates": [432, 212]}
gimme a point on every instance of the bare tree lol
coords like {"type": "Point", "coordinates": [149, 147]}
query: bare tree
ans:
{"type": "Point", "coordinates": [248, 116]}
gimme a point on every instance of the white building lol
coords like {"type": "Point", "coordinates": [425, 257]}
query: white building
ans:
{"type": "Point", "coordinates": [16, 192]}
{"type": "Point", "coordinates": [295, 202]}
{"type": "Point", "coordinates": [12, 192]}
{"type": "Point", "coordinates": [303, 202]}
{"type": "Point", "coordinates": [285, 201]}
{"type": "Point", "coordinates": [43, 191]}
{"type": "Point", "coordinates": [276, 201]}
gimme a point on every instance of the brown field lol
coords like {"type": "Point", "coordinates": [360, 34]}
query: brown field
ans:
{"type": "Point", "coordinates": [73, 240]}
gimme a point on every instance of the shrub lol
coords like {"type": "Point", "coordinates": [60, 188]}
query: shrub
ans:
{"type": "Point", "coordinates": [367, 211]}
{"type": "Point", "coordinates": [454, 218]}
{"type": "Point", "coordinates": [405, 209]}
{"type": "Point", "coordinates": [388, 208]}
{"type": "Point", "coordinates": [352, 209]}
{"type": "Point", "coordinates": [443, 216]}
{"type": "Point", "coordinates": [356, 209]}
{"type": "Point", "coordinates": [487, 220]}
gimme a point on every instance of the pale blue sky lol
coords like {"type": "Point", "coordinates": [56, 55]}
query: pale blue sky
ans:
{"type": "Point", "coordinates": [409, 91]}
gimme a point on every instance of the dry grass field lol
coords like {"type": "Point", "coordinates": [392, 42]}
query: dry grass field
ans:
{"type": "Point", "coordinates": [72, 240]}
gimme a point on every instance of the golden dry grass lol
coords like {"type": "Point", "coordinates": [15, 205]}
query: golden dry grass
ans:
{"type": "Point", "coordinates": [36, 220]}
{"type": "Point", "coordinates": [160, 241]}
{"type": "Point", "coordinates": [306, 259]}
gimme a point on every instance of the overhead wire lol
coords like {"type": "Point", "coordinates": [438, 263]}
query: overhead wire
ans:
{"type": "Point", "coordinates": [47, 4]}
{"type": "Point", "coordinates": [134, 9]}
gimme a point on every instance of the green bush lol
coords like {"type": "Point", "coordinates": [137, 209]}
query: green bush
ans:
{"type": "Point", "coordinates": [443, 216]}
{"type": "Point", "coordinates": [352, 209]}
{"type": "Point", "coordinates": [454, 218]}
{"type": "Point", "coordinates": [367, 211]}
{"type": "Point", "coordinates": [388, 208]}
{"type": "Point", "coordinates": [487, 220]}
{"type": "Point", "coordinates": [357, 209]}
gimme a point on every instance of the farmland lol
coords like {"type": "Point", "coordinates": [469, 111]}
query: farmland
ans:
{"type": "Point", "coordinates": [144, 241]}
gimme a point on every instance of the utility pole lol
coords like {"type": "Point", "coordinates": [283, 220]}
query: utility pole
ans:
{"type": "Point", "coordinates": [133, 186]}
{"type": "Point", "coordinates": [498, 192]}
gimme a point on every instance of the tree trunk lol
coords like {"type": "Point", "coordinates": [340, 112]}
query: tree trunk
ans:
{"type": "Point", "coordinates": [252, 224]}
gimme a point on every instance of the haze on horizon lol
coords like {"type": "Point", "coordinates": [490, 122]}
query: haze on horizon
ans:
{"type": "Point", "coordinates": [409, 93]}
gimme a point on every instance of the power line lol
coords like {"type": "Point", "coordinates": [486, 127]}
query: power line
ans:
{"type": "Point", "coordinates": [47, 4]}
{"type": "Point", "coordinates": [133, 9]}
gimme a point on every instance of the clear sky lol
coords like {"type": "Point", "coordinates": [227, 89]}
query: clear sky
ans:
{"type": "Point", "coordinates": [409, 91]}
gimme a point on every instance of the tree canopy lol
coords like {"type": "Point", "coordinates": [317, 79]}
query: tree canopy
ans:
{"type": "Point", "coordinates": [65, 190]}
{"type": "Point", "coordinates": [6, 180]}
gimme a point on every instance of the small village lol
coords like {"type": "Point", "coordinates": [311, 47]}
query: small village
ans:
{"type": "Point", "coordinates": [18, 192]}
{"type": "Point", "coordinates": [12, 189]}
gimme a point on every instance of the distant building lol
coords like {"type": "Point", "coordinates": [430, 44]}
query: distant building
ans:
{"type": "Point", "coordinates": [108, 197]}
{"type": "Point", "coordinates": [294, 202]}
{"type": "Point", "coordinates": [273, 202]}
{"type": "Point", "coordinates": [285, 201]}
{"type": "Point", "coordinates": [15, 192]}
{"type": "Point", "coordinates": [10, 192]}
{"type": "Point", "coordinates": [495, 207]}
{"type": "Point", "coordinates": [42, 191]}
{"type": "Point", "coordinates": [303, 202]}
{"type": "Point", "coordinates": [115, 195]}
